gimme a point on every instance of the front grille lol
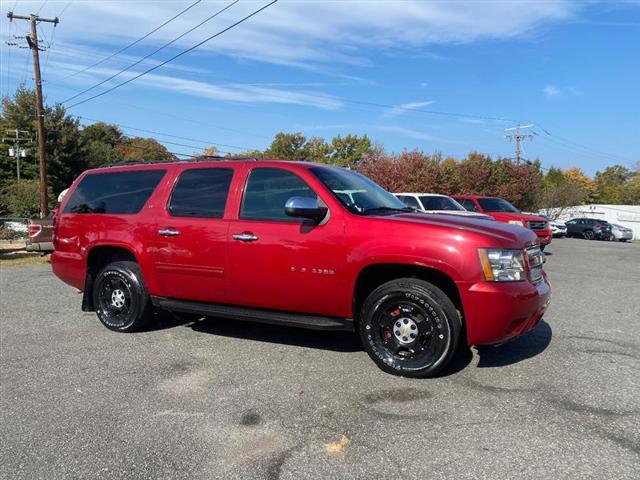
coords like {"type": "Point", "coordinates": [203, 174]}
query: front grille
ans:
{"type": "Point", "coordinates": [538, 225]}
{"type": "Point", "coordinates": [535, 258]}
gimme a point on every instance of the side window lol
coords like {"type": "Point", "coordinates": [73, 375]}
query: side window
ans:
{"type": "Point", "coordinates": [201, 192]}
{"type": "Point", "coordinates": [468, 204]}
{"type": "Point", "coordinates": [409, 201]}
{"type": "Point", "coordinates": [114, 193]}
{"type": "Point", "coordinates": [266, 192]}
{"type": "Point", "coordinates": [571, 222]}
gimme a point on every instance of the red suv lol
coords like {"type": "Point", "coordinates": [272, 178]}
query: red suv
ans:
{"type": "Point", "coordinates": [503, 211]}
{"type": "Point", "coordinates": [299, 244]}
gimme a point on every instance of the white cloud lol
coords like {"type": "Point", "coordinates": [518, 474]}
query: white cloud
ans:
{"type": "Point", "coordinates": [551, 91]}
{"type": "Point", "coordinates": [305, 33]}
{"type": "Point", "coordinates": [406, 107]}
{"type": "Point", "coordinates": [411, 133]}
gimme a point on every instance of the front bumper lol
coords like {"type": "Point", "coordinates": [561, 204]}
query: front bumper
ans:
{"type": "Point", "coordinates": [498, 312]}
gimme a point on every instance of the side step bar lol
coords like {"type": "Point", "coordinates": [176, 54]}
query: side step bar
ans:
{"type": "Point", "coordinates": [301, 320]}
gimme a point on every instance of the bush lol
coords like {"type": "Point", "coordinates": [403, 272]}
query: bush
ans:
{"type": "Point", "coordinates": [21, 198]}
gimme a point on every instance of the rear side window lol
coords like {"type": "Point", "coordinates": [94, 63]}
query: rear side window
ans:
{"type": "Point", "coordinates": [266, 192]}
{"type": "Point", "coordinates": [468, 204]}
{"type": "Point", "coordinates": [114, 193]}
{"type": "Point", "coordinates": [409, 201]}
{"type": "Point", "coordinates": [201, 192]}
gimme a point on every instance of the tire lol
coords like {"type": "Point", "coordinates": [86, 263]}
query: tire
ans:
{"type": "Point", "coordinates": [120, 297]}
{"type": "Point", "coordinates": [396, 309]}
{"type": "Point", "coordinates": [588, 234]}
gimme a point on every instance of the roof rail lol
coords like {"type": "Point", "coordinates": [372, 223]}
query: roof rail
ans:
{"type": "Point", "coordinates": [203, 158]}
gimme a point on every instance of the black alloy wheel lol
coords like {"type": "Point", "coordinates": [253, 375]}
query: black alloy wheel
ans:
{"type": "Point", "coordinates": [409, 327]}
{"type": "Point", "coordinates": [589, 235]}
{"type": "Point", "coordinates": [120, 297]}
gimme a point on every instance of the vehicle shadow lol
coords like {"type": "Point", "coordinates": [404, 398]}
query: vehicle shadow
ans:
{"type": "Point", "coordinates": [336, 341]}
{"type": "Point", "coordinates": [527, 346]}
{"type": "Point", "coordinates": [522, 348]}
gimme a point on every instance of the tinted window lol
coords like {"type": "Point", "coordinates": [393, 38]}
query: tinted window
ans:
{"type": "Point", "coordinates": [116, 193]}
{"type": "Point", "coordinates": [201, 192]}
{"type": "Point", "coordinates": [468, 204]}
{"type": "Point", "coordinates": [266, 192]}
{"type": "Point", "coordinates": [497, 205]}
{"type": "Point", "coordinates": [409, 201]}
{"type": "Point", "coordinates": [440, 203]}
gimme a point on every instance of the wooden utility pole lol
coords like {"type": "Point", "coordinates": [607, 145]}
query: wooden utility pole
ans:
{"type": "Point", "coordinates": [32, 40]}
{"type": "Point", "coordinates": [518, 138]}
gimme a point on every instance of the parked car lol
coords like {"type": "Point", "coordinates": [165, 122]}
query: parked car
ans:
{"type": "Point", "coordinates": [279, 242]}
{"type": "Point", "coordinates": [503, 211]}
{"type": "Point", "coordinates": [558, 229]}
{"type": "Point", "coordinates": [40, 231]}
{"type": "Point", "coordinates": [589, 228]}
{"type": "Point", "coordinates": [436, 203]}
{"type": "Point", "coordinates": [621, 233]}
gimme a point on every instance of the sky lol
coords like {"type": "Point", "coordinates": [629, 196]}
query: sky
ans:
{"type": "Point", "coordinates": [446, 76]}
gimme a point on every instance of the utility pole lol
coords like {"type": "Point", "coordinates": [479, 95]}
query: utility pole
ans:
{"type": "Point", "coordinates": [17, 152]}
{"type": "Point", "coordinates": [518, 137]}
{"type": "Point", "coordinates": [32, 40]}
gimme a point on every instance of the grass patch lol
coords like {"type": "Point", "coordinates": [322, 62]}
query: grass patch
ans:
{"type": "Point", "coordinates": [23, 258]}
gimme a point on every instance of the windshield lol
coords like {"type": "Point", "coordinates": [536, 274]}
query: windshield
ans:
{"type": "Point", "coordinates": [357, 193]}
{"type": "Point", "coordinates": [440, 203]}
{"type": "Point", "coordinates": [497, 205]}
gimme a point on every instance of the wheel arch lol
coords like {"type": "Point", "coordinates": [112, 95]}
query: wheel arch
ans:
{"type": "Point", "coordinates": [372, 276]}
{"type": "Point", "coordinates": [97, 257]}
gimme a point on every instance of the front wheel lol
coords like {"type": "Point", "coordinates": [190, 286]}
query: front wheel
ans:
{"type": "Point", "coordinates": [410, 328]}
{"type": "Point", "coordinates": [120, 297]}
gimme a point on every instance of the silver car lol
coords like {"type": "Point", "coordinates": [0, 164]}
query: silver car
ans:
{"type": "Point", "coordinates": [620, 233]}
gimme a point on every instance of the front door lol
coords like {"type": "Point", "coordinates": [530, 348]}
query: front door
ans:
{"type": "Point", "coordinates": [283, 263]}
{"type": "Point", "coordinates": [190, 254]}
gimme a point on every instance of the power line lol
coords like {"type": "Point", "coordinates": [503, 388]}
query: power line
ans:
{"type": "Point", "coordinates": [208, 142]}
{"type": "Point", "coordinates": [584, 147]}
{"type": "Point", "coordinates": [65, 8]}
{"type": "Point", "coordinates": [109, 57]}
{"type": "Point", "coordinates": [42, 6]}
{"type": "Point", "coordinates": [129, 67]}
{"type": "Point", "coordinates": [177, 55]}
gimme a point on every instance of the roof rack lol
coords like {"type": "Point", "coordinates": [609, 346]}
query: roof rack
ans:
{"type": "Point", "coordinates": [203, 158]}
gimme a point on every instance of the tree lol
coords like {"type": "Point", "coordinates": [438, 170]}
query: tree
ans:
{"type": "Point", "coordinates": [140, 149]}
{"type": "Point", "coordinates": [100, 144]}
{"type": "Point", "coordinates": [287, 146]}
{"type": "Point", "coordinates": [21, 198]}
{"type": "Point", "coordinates": [349, 151]}
{"type": "Point", "coordinates": [610, 184]}
{"type": "Point", "coordinates": [211, 151]}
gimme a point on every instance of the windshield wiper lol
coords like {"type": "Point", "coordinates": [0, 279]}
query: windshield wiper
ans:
{"type": "Point", "coordinates": [386, 209]}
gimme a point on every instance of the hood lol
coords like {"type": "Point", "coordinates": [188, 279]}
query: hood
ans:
{"type": "Point", "coordinates": [502, 232]}
{"type": "Point", "coordinates": [463, 213]}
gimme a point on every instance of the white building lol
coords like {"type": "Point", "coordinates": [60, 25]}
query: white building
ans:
{"type": "Point", "coordinates": [625, 215]}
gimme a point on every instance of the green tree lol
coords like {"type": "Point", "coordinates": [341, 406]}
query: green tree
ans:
{"type": "Point", "coordinates": [349, 151]}
{"type": "Point", "coordinates": [610, 184]}
{"type": "Point", "coordinates": [21, 198]}
{"type": "Point", "coordinates": [140, 149]}
{"type": "Point", "coordinates": [287, 146]}
{"type": "Point", "coordinates": [100, 144]}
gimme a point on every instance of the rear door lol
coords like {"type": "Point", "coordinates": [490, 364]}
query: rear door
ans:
{"type": "Point", "coordinates": [278, 262]}
{"type": "Point", "coordinates": [190, 247]}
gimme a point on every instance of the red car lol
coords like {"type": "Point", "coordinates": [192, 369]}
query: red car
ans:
{"type": "Point", "coordinates": [503, 211]}
{"type": "Point", "coordinates": [299, 244]}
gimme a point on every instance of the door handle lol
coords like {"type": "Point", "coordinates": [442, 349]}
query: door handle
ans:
{"type": "Point", "coordinates": [245, 237]}
{"type": "Point", "coordinates": [168, 232]}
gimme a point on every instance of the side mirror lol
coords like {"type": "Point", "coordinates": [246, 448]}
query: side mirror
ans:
{"type": "Point", "coordinates": [305, 207]}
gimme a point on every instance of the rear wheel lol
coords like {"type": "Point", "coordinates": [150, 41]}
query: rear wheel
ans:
{"type": "Point", "coordinates": [120, 297]}
{"type": "Point", "coordinates": [588, 234]}
{"type": "Point", "coordinates": [409, 327]}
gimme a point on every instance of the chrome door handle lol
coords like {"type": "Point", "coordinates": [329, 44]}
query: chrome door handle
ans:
{"type": "Point", "coordinates": [245, 237]}
{"type": "Point", "coordinates": [168, 232]}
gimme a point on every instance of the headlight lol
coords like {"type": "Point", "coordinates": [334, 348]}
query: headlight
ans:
{"type": "Point", "coordinates": [502, 265]}
{"type": "Point", "coordinates": [516, 222]}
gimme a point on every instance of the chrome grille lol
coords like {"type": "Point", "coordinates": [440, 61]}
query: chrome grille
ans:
{"type": "Point", "coordinates": [535, 258]}
{"type": "Point", "coordinates": [538, 225]}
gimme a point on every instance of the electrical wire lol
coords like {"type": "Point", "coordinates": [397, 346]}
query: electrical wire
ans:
{"type": "Point", "coordinates": [584, 147]}
{"type": "Point", "coordinates": [42, 6]}
{"type": "Point", "coordinates": [109, 57]}
{"type": "Point", "coordinates": [217, 34]}
{"type": "Point", "coordinates": [65, 8]}
{"type": "Point", "coordinates": [137, 62]}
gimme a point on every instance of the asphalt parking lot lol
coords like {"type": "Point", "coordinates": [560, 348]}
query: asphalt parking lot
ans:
{"type": "Point", "coordinates": [221, 399]}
